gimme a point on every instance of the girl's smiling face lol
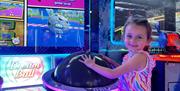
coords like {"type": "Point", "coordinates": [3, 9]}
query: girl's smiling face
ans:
{"type": "Point", "coordinates": [135, 37]}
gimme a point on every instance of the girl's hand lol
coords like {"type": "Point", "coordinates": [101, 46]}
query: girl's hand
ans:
{"type": "Point", "coordinates": [87, 61]}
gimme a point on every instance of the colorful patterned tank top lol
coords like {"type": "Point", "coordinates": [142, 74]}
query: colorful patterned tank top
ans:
{"type": "Point", "coordinates": [137, 80]}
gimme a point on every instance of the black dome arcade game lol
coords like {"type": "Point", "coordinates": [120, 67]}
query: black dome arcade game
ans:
{"type": "Point", "coordinates": [72, 75]}
{"type": "Point", "coordinates": [1, 82]}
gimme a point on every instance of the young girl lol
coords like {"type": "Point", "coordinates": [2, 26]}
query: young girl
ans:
{"type": "Point", "coordinates": [135, 72]}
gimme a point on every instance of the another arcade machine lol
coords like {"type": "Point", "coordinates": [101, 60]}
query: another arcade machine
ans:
{"type": "Point", "coordinates": [167, 55]}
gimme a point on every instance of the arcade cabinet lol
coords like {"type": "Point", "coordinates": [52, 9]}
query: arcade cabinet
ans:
{"type": "Point", "coordinates": [66, 75]}
{"type": "Point", "coordinates": [54, 31]}
{"type": "Point", "coordinates": [36, 41]}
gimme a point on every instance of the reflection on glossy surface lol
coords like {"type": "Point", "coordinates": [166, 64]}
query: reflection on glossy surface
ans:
{"type": "Point", "coordinates": [74, 73]}
{"type": "Point", "coordinates": [1, 82]}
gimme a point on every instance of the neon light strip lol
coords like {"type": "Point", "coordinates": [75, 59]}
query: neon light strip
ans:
{"type": "Point", "coordinates": [169, 58]}
{"type": "Point", "coordinates": [112, 21]}
{"type": "Point", "coordinates": [30, 55]}
{"type": "Point", "coordinates": [119, 50]}
{"type": "Point", "coordinates": [25, 22]}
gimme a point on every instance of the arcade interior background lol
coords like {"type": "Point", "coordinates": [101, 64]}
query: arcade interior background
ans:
{"type": "Point", "coordinates": [36, 36]}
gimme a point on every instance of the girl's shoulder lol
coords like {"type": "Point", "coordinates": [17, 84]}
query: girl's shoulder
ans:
{"type": "Point", "coordinates": [149, 59]}
{"type": "Point", "coordinates": [150, 63]}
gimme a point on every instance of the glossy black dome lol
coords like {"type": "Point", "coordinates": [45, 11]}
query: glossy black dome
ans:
{"type": "Point", "coordinates": [1, 82]}
{"type": "Point", "coordinates": [72, 72]}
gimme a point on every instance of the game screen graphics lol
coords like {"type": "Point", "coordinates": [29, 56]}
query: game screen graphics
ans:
{"type": "Point", "coordinates": [55, 27]}
{"type": "Point", "coordinates": [58, 23]}
{"type": "Point", "coordinates": [11, 23]}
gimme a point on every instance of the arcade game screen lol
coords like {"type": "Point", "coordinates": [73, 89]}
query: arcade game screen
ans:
{"type": "Point", "coordinates": [58, 23]}
{"type": "Point", "coordinates": [11, 23]}
{"type": "Point", "coordinates": [55, 27]}
{"type": "Point", "coordinates": [26, 26]}
{"type": "Point", "coordinates": [11, 9]}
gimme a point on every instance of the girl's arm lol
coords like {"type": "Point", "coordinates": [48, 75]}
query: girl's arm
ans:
{"type": "Point", "coordinates": [109, 60]}
{"type": "Point", "coordinates": [137, 62]}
